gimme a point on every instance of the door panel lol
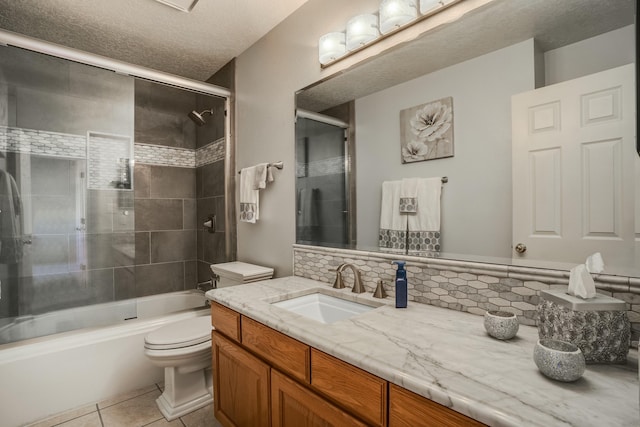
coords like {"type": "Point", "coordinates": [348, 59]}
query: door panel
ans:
{"type": "Point", "coordinates": [574, 172]}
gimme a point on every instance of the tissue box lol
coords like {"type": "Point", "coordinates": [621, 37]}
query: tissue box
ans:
{"type": "Point", "coordinates": [598, 326]}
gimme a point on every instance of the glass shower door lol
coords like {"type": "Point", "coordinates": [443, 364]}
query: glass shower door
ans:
{"type": "Point", "coordinates": [67, 236]}
{"type": "Point", "coordinates": [322, 196]}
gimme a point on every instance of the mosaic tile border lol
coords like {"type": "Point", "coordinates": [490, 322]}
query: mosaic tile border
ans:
{"type": "Point", "coordinates": [330, 166]}
{"type": "Point", "coordinates": [55, 144]}
{"type": "Point", "coordinates": [210, 153]}
{"type": "Point", "coordinates": [461, 285]}
{"type": "Point", "coordinates": [158, 155]}
{"type": "Point", "coordinates": [38, 142]}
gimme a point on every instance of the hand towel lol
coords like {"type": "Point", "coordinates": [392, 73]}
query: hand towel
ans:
{"type": "Point", "coordinates": [393, 224]}
{"type": "Point", "coordinates": [249, 195]}
{"type": "Point", "coordinates": [270, 173]}
{"type": "Point", "coordinates": [261, 176]}
{"type": "Point", "coordinates": [424, 226]}
{"type": "Point", "coordinates": [409, 196]}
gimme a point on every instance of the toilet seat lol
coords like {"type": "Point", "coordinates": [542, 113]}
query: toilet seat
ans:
{"type": "Point", "coordinates": [179, 335]}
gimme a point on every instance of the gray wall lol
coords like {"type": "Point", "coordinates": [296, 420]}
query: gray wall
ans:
{"type": "Point", "coordinates": [476, 202]}
{"type": "Point", "coordinates": [268, 75]}
{"type": "Point", "coordinates": [593, 55]}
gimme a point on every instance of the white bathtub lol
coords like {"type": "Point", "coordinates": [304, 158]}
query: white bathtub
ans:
{"type": "Point", "coordinates": [50, 374]}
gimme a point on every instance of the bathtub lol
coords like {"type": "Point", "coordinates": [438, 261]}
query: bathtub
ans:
{"type": "Point", "coordinates": [50, 374]}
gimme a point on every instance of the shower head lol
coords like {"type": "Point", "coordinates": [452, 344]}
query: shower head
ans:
{"type": "Point", "coordinates": [198, 117]}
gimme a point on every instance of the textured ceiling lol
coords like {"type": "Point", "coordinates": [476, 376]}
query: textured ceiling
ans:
{"type": "Point", "coordinates": [501, 23]}
{"type": "Point", "coordinates": [147, 33]}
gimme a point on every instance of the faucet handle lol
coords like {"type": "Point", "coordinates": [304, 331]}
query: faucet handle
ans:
{"type": "Point", "coordinates": [380, 292]}
{"type": "Point", "coordinates": [338, 283]}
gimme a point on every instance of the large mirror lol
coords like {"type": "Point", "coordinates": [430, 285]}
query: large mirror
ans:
{"type": "Point", "coordinates": [544, 169]}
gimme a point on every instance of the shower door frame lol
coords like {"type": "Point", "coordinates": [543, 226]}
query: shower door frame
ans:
{"type": "Point", "coordinates": [8, 38]}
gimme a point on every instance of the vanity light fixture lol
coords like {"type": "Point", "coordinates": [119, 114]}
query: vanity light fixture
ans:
{"type": "Point", "coordinates": [331, 47]}
{"type": "Point", "coordinates": [368, 29]}
{"type": "Point", "coordinates": [396, 13]}
{"type": "Point", "coordinates": [361, 30]}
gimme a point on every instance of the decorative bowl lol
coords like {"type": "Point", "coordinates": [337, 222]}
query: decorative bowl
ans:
{"type": "Point", "coordinates": [501, 324]}
{"type": "Point", "coordinates": [559, 360]}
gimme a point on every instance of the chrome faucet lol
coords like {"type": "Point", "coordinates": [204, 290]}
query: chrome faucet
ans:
{"type": "Point", "coordinates": [357, 281]}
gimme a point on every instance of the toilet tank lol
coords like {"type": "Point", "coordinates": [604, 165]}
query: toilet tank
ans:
{"type": "Point", "coordinates": [237, 273]}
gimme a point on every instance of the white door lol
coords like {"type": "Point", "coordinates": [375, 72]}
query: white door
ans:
{"type": "Point", "coordinates": [574, 156]}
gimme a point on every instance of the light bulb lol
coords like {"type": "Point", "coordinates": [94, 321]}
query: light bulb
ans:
{"type": "Point", "coordinates": [361, 29]}
{"type": "Point", "coordinates": [331, 46]}
{"type": "Point", "coordinates": [396, 13]}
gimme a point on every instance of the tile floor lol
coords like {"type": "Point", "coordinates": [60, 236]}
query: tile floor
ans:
{"type": "Point", "coordinates": [135, 409]}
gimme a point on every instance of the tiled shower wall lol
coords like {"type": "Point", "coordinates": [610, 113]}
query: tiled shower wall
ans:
{"type": "Point", "coordinates": [459, 285]}
{"type": "Point", "coordinates": [168, 187]}
{"type": "Point", "coordinates": [210, 183]}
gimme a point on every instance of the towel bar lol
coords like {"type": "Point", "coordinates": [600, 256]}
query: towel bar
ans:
{"type": "Point", "coordinates": [277, 165]}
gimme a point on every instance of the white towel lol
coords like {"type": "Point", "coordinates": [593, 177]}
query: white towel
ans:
{"type": "Point", "coordinates": [393, 224]}
{"type": "Point", "coordinates": [409, 195]}
{"type": "Point", "coordinates": [262, 176]}
{"type": "Point", "coordinates": [424, 225]}
{"type": "Point", "coordinates": [249, 195]}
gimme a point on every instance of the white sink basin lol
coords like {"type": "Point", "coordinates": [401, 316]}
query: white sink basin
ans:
{"type": "Point", "coordinates": [323, 308]}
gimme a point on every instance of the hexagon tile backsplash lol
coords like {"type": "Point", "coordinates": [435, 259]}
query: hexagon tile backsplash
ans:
{"type": "Point", "coordinates": [461, 285]}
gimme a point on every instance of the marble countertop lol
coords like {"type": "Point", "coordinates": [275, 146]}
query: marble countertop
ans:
{"type": "Point", "coordinates": [447, 356]}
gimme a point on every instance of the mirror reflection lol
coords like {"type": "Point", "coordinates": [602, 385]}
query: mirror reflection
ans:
{"type": "Point", "coordinates": [544, 169]}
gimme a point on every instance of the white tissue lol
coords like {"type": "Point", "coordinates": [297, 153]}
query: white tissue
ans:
{"type": "Point", "coordinates": [581, 283]}
{"type": "Point", "coordinates": [595, 263]}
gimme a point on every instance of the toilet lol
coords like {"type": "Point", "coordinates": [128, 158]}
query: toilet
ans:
{"type": "Point", "coordinates": [183, 348]}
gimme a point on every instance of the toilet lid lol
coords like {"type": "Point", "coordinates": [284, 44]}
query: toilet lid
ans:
{"type": "Point", "coordinates": [180, 334]}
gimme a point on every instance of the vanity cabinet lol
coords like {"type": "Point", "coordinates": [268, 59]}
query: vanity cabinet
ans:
{"type": "Point", "coordinates": [263, 377]}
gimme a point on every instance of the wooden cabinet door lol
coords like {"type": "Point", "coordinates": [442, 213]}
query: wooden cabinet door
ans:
{"type": "Point", "coordinates": [407, 409]}
{"type": "Point", "coordinates": [241, 385]}
{"type": "Point", "coordinates": [295, 406]}
{"type": "Point", "coordinates": [359, 392]}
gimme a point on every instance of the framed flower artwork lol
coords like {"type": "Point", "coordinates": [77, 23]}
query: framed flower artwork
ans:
{"type": "Point", "coordinates": [426, 131]}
